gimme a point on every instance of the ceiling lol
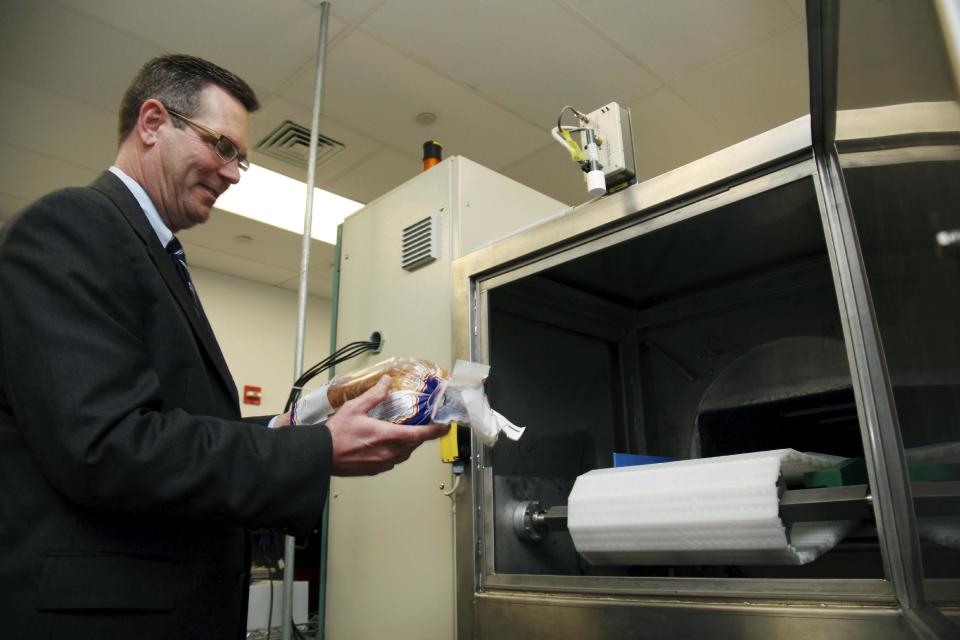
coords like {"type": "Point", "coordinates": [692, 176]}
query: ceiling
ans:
{"type": "Point", "coordinates": [698, 75]}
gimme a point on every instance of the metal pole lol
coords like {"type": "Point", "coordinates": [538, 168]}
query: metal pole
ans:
{"type": "Point", "coordinates": [290, 542]}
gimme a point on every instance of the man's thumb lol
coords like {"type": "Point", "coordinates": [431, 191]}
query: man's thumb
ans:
{"type": "Point", "coordinates": [374, 395]}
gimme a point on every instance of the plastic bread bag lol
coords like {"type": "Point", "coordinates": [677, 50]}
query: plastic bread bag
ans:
{"type": "Point", "coordinates": [420, 393]}
{"type": "Point", "coordinates": [464, 401]}
{"type": "Point", "coordinates": [414, 390]}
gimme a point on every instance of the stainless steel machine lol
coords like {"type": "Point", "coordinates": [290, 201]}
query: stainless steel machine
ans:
{"type": "Point", "coordinates": [798, 290]}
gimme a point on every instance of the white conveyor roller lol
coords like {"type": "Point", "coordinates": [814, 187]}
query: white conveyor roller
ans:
{"type": "Point", "coordinates": [722, 510]}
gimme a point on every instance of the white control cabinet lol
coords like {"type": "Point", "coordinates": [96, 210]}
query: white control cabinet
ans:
{"type": "Point", "coordinates": [390, 555]}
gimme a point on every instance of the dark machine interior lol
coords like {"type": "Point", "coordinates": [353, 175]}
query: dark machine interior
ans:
{"type": "Point", "coordinates": [714, 335]}
{"type": "Point", "coordinates": [899, 210]}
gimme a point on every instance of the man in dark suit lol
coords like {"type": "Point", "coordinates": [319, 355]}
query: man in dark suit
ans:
{"type": "Point", "coordinates": [127, 477]}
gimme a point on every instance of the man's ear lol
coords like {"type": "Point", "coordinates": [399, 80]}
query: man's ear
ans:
{"type": "Point", "coordinates": [152, 116]}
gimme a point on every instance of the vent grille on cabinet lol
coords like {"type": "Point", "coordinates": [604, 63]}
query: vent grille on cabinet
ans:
{"type": "Point", "coordinates": [290, 142]}
{"type": "Point", "coordinates": [420, 246]}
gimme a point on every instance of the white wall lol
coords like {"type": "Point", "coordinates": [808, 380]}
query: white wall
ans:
{"type": "Point", "coordinates": [256, 326]}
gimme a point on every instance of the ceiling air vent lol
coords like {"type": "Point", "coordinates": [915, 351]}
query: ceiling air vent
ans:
{"type": "Point", "coordinates": [290, 142]}
{"type": "Point", "coordinates": [420, 246]}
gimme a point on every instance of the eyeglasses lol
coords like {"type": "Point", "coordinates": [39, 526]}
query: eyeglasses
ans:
{"type": "Point", "coordinates": [223, 145]}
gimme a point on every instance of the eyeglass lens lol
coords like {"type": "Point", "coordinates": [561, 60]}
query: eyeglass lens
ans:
{"type": "Point", "coordinates": [228, 152]}
{"type": "Point", "coordinates": [225, 149]}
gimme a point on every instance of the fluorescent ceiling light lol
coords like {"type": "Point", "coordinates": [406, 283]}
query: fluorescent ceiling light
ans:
{"type": "Point", "coordinates": [275, 199]}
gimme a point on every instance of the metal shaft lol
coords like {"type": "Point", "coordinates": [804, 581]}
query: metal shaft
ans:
{"type": "Point", "coordinates": [852, 502]}
{"type": "Point", "coordinates": [290, 543]}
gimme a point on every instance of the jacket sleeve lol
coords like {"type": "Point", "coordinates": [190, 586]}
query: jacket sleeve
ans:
{"type": "Point", "coordinates": [90, 387]}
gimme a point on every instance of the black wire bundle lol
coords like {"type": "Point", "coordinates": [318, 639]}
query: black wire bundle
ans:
{"type": "Point", "coordinates": [344, 353]}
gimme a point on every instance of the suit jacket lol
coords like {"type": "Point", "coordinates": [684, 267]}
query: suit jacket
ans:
{"type": "Point", "coordinates": [127, 478]}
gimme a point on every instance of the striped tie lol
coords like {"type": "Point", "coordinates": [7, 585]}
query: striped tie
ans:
{"type": "Point", "coordinates": [175, 249]}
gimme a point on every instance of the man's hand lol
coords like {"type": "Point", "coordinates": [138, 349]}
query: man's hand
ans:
{"type": "Point", "coordinates": [363, 446]}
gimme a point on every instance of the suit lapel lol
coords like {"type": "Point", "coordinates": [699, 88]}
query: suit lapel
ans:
{"type": "Point", "coordinates": [114, 189]}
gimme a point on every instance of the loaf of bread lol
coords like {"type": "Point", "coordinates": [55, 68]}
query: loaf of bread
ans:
{"type": "Point", "coordinates": [415, 386]}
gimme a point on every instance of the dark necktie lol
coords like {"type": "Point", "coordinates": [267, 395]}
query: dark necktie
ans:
{"type": "Point", "coordinates": [175, 249]}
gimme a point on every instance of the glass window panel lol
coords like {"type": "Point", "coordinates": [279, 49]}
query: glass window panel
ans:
{"type": "Point", "coordinates": [898, 130]}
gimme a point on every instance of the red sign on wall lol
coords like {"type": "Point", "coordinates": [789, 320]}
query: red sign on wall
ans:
{"type": "Point", "coordinates": [251, 394]}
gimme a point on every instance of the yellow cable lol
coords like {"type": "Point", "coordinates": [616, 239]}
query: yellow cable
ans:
{"type": "Point", "coordinates": [576, 153]}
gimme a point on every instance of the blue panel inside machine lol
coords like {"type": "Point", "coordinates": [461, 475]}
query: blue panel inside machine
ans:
{"type": "Point", "coordinates": [633, 459]}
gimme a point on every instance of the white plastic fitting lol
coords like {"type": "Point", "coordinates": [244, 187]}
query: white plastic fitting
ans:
{"type": "Point", "coordinates": [596, 183]}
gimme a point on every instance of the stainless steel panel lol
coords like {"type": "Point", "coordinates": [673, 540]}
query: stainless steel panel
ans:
{"type": "Point", "coordinates": [754, 589]}
{"type": "Point", "coordinates": [559, 617]}
{"type": "Point", "coordinates": [751, 158]}
{"type": "Point", "coordinates": [554, 551]}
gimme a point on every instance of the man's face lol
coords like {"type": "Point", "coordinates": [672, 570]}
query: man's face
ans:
{"type": "Point", "coordinates": [192, 175]}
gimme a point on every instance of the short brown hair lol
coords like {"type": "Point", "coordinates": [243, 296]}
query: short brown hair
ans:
{"type": "Point", "coordinates": [177, 81]}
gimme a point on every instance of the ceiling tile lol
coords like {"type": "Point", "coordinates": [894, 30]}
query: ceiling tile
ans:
{"type": "Point", "coordinates": [207, 258]}
{"type": "Point", "coordinates": [799, 8]}
{"type": "Point", "coordinates": [270, 256]}
{"type": "Point", "coordinates": [28, 118]}
{"type": "Point", "coordinates": [264, 42]}
{"type": "Point", "coordinates": [532, 56]}
{"type": "Point", "coordinates": [352, 12]}
{"type": "Point", "coordinates": [390, 169]}
{"type": "Point", "coordinates": [319, 284]}
{"type": "Point", "coordinates": [29, 175]}
{"type": "Point", "coordinates": [372, 88]}
{"type": "Point", "coordinates": [755, 90]}
{"type": "Point", "coordinates": [495, 73]}
{"type": "Point", "coordinates": [67, 53]}
{"type": "Point", "coordinates": [675, 37]}
{"type": "Point", "coordinates": [669, 133]}
{"type": "Point", "coordinates": [268, 245]}
{"type": "Point", "coordinates": [357, 147]}
{"type": "Point", "coordinates": [551, 172]}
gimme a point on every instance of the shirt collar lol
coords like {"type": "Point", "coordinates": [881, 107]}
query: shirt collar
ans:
{"type": "Point", "coordinates": [153, 216]}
